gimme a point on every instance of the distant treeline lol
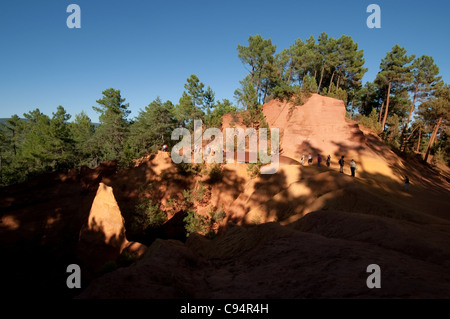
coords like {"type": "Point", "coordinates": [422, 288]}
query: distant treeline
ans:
{"type": "Point", "coordinates": [38, 143]}
{"type": "Point", "coordinates": [407, 104]}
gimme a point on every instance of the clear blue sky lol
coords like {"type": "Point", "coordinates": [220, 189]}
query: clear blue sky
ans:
{"type": "Point", "coordinates": [149, 48]}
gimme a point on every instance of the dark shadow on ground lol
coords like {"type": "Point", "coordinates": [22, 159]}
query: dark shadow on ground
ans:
{"type": "Point", "coordinates": [47, 213]}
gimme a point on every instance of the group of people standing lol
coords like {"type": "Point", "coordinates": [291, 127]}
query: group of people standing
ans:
{"type": "Point", "coordinates": [353, 166]}
{"type": "Point", "coordinates": [341, 162]}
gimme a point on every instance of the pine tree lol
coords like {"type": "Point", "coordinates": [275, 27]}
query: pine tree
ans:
{"type": "Point", "coordinates": [395, 71]}
{"type": "Point", "coordinates": [311, 60]}
{"type": "Point", "coordinates": [208, 102]}
{"type": "Point", "coordinates": [349, 70]}
{"type": "Point", "coordinates": [195, 91]}
{"type": "Point", "coordinates": [112, 132]}
{"type": "Point", "coordinates": [301, 63]}
{"type": "Point", "coordinates": [271, 78]}
{"type": "Point", "coordinates": [327, 50]}
{"type": "Point", "coordinates": [220, 110]}
{"type": "Point", "coordinates": [14, 127]}
{"type": "Point", "coordinates": [60, 140]}
{"type": "Point", "coordinates": [366, 99]}
{"type": "Point", "coordinates": [13, 166]}
{"type": "Point", "coordinates": [259, 56]}
{"type": "Point", "coordinates": [186, 112]}
{"type": "Point", "coordinates": [36, 150]}
{"type": "Point", "coordinates": [309, 84]}
{"type": "Point", "coordinates": [285, 64]}
{"type": "Point", "coordinates": [82, 130]}
{"type": "Point", "coordinates": [152, 127]}
{"type": "Point", "coordinates": [425, 80]}
{"type": "Point", "coordinates": [436, 112]}
{"type": "Point", "coordinates": [246, 95]}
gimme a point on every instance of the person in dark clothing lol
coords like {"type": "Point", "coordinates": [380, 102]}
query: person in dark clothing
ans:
{"type": "Point", "coordinates": [328, 160]}
{"type": "Point", "coordinates": [341, 164]}
{"type": "Point", "coordinates": [406, 184]}
{"type": "Point", "coordinates": [319, 160]}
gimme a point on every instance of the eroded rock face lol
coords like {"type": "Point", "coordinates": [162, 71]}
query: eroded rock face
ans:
{"type": "Point", "coordinates": [103, 238]}
{"type": "Point", "coordinates": [318, 126]}
{"type": "Point", "coordinates": [105, 223]}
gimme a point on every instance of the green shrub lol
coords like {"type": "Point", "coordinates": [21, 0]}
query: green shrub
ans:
{"type": "Point", "coordinates": [252, 116]}
{"type": "Point", "coordinates": [199, 192]}
{"type": "Point", "coordinates": [299, 97]}
{"type": "Point", "coordinates": [254, 169]}
{"type": "Point", "coordinates": [155, 148]}
{"type": "Point", "coordinates": [195, 223]}
{"type": "Point", "coordinates": [216, 214]}
{"type": "Point", "coordinates": [187, 169]}
{"type": "Point", "coordinates": [171, 202]}
{"type": "Point", "coordinates": [126, 160]}
{"type": "Point", "coordinates": [392, 134]}
{"type": "Point", "coordinates": [193, 195]}
{"type": "Point", "coordinates": [283, 92]}
{"type": "Point", "coordinates": [335, 92]}
{"type": "Point", "coordinates": [309, 85]}
{"type": "Point", "coordinates": [147, 215]}
{"type": "Point", "coordinates": [215, 173]}
{"type": "Point", "coordinates": [439, 157]}
{"type": "Point", "coordinates": [294, 93]}
{"type": "Point", "coordinates": [371, 121]}
{"type": "Point", "coordinates": [187, 195]}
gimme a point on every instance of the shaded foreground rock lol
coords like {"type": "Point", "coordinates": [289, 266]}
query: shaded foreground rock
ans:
{"type": "Point", "coordinates": [295, 261]}
{"type": "Point", "coordinates": [102, 238]}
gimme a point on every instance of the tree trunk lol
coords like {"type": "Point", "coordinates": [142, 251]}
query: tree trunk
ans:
{"type": "Point", "coordinates": [253, 75]}
{"type": "Point", "coordinates": [387, 107]}
{"type": "Point", "coordinates": [412, 107]}
{"type": "Point", "coordinates": [257, 90]}
{"type": "Point", "coordinates": [337, 83]}
{"type": "Point", "coordinates": [351, 110]}
{"type": "Point", "coordinates": [418, 144]}
{"type": "Point", "coordinates": [402, 148]}
{"type": "Point", "coordinates": [265, 93]}
{"type": "Point", "coordinates": [321, 78]}
{"type": "Point", "coordinates": [381, 112]}
{"type": "Point", "coordinates": [411, 133]}
{"type": "Point", "coordinates": [290, 73]}
{"type": "Point", "coordinates": [332, 76]}
{"type": "Point", "coordinates": [433, 138]}
{"type": "Point", "coordinates": [409, 137]}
